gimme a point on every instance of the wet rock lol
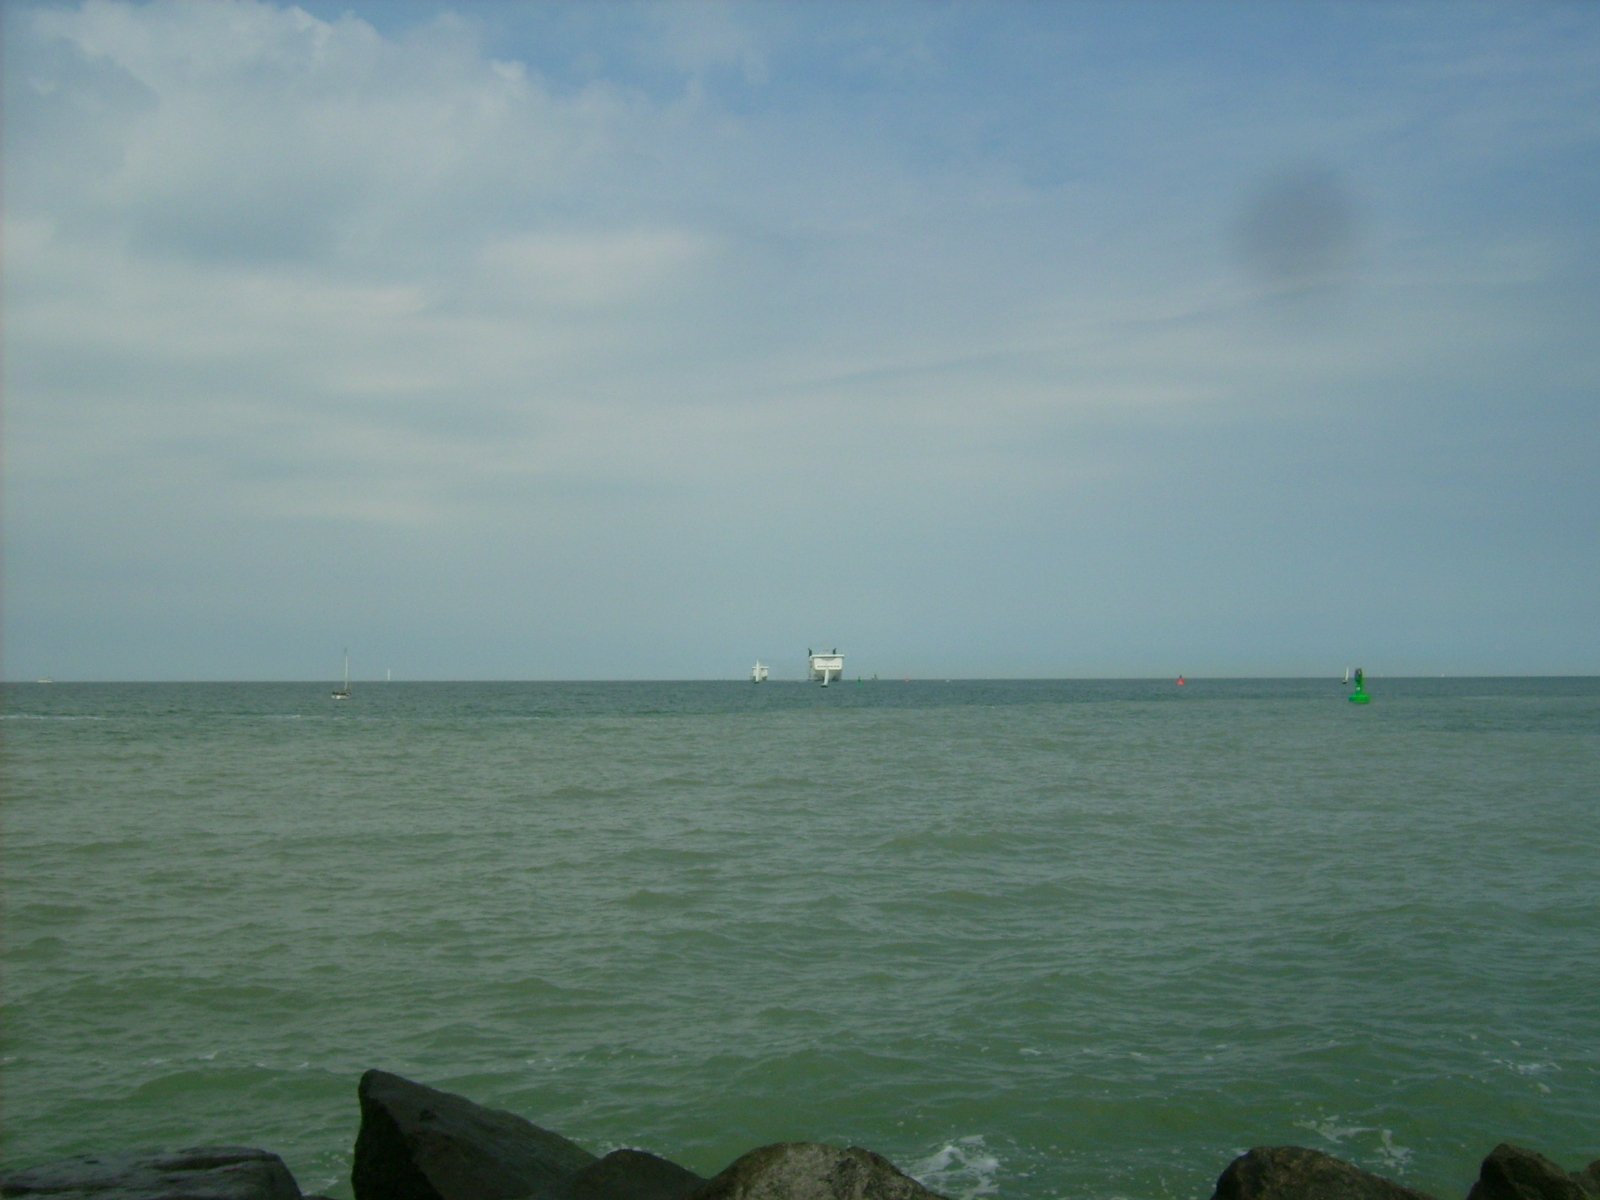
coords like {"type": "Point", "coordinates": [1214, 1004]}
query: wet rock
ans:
{"type": "Point", "coordinates": [808, 1171]}
{"type": "Point", "coordinates": [1295, 1173]}
{"type": "Point", "coordinates": [633, 1175]}
{"type": "Point", "coordinates": [419, 1143]}
{"type": "Point", "coordinates": [214, 1173]}
{"type": "Point", "coordinates": [1513, 1173]}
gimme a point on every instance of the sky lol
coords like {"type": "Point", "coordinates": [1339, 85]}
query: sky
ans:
{"type": "Point", "coordinates": [489, 340]}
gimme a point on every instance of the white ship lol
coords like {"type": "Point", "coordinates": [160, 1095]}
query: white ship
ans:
{"type": "Point", "coordinates": [825, 667]}
{"type": "Point", "coordinates": [758, 673]}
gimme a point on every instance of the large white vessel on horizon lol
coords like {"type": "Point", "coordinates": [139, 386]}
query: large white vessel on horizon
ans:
{"type": "Point", "coordinates": [758, 673]}
{"type": "Point", "coordinates": [824, 667]}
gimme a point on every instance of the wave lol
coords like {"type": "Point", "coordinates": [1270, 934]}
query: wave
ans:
{"type": "Point", "coordinates": [963, 1169]}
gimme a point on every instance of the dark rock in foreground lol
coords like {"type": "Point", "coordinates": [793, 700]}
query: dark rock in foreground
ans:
{"type": "Point", "coordinates": [418, 1143]}
{"type": "Point", "coordinates": [1512, 1173]}
{"type": "Point", "coordinates": [219, 1173]}
{"type": "Point", "coordinates": [633, 1175]}
{"type": "Point", "coordinates": [1295, 1173]}
{"type": "Point", "coordinates": [808, 1171]}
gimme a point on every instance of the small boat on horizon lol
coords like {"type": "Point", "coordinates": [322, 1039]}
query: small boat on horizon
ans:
{"type": "Point", "coordinates": [343, 693]}
{"type": "Point", "coordinates": [758, 673]}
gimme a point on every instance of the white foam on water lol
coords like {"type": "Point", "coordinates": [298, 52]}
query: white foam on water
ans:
{"type": "Point", "coordinates": [1530, 1070]}
{"type": "Point", "coordinates": [50, 717]}
{"type": "Point", "coordinates": [1330, 1129]}
{"type": "Point", "coordinates": [1398, 1157]}
{"type": "Point", "coordinates": [962, 1169]}
{"type": "Point", "coordinates": [1525, 1068]}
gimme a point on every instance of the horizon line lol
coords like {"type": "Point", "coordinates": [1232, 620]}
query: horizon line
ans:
{"type": "Point", "coordinates": [45, 681]}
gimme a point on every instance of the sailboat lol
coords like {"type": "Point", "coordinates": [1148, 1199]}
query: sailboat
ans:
{"type": "Point", "coordinates": [758, 673]}
{"type": "Point", "coordinates": [343, 693]}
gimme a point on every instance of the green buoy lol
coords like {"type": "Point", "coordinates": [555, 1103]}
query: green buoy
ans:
{"type": "Point", "coordinates": [1359, 696]}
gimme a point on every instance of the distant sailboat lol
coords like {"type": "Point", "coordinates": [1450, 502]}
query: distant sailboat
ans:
{"type": "Point", "coordinates": [758, 673]}
{"type": "Point", "coordinates": [1347, 674]}
{"type": "Point", "coordinates": [343, 693]}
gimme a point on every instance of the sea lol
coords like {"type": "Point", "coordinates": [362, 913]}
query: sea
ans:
{"type": "Point", "coordinates": [1032, 939]}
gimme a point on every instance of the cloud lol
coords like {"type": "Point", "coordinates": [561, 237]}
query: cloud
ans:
{"type": "Point", "coordinates": [696, 39]}
{"type": "Point", "coordinates": [582, 270]}
{"type": "Point", "coordinates": [263, 134]}
{"type": "Point", "coordinates": [557, 299]}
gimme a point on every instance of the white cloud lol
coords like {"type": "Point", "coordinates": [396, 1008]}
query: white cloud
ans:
{"type": "Point", "coordinates": [589, 270]}
{"type": "Point", "coordinates": [262, 132]}
{"type": "Point", "coordinates": [734, 277]}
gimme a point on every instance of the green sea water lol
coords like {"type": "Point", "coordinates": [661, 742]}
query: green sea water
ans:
{"type": "Point", "coordinates": [1026, 939]}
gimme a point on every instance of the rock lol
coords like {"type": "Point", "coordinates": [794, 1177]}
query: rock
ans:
{"type": "Point", "coordinates": [1589, 1178]}
{"type": "Point", "coordinates": [808, 1171]}
{"type": "Point", "coordinates": [215, 1173]}
{"type": "Point", "coordinates": [1295, 1173]}
{"type": "Point", "coordinates": [633, 1175]}
{"type": "Point", "coordinates": [1512, 1173]}
{"type": "Point", "coordinates": [418, 1143]}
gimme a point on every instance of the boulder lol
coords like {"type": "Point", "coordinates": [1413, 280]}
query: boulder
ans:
{"type": "Point", "coordinates": [808, 1171]}
{"type": "Point", "coordinates": [633, 1175]}
{"type": "Point", "coordinates": [1295, 1173]}
{"type": "Point", "coordinates": [216, 1173]}
{"type": "Point", "coordinates": [1512, 1173]}
{"type": "Point", "coordinates": [418, 1143]}
{"type": "Point", "coordinates": [1589, 1178]}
